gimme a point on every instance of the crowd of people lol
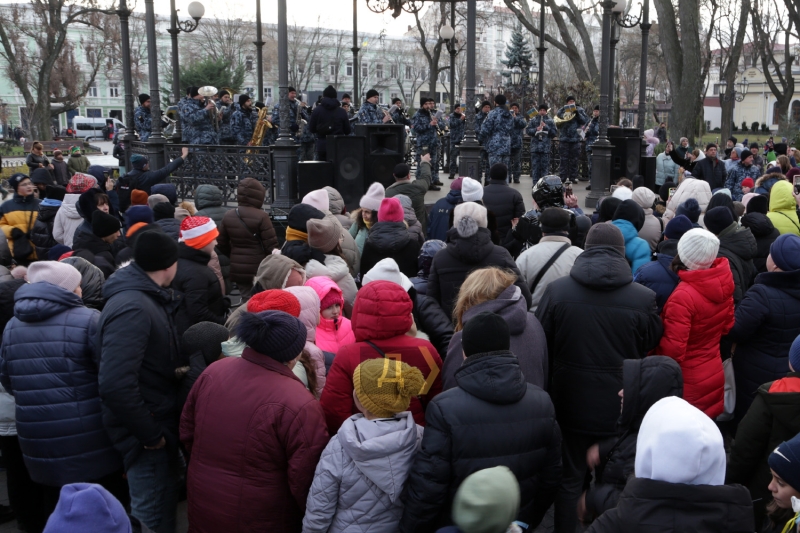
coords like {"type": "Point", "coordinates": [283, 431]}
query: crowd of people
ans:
{"type": "Point", "coordinates": [463, 368]}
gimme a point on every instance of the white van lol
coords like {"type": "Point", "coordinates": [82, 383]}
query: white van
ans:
{"type": "Point", "coordinates": [92, 128]}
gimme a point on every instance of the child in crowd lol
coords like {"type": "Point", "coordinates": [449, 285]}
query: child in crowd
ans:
{"type": "Point", "coordinates": [361, 473]}
{"type": "Point", "coordinates": [334, 329]}
{"type": "Point", "coordinates": [784, 464]}
{"type": "Point", "coordinates": [202, 345]}
{"type": "Point", "coordinates": [486, 502]}
{"type": "Point", "coordinates": [747, 185]}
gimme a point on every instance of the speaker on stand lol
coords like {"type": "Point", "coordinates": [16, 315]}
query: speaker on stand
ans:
{"type": "Point", "coordinates": [313, 175]}
{"type": "Point", "coordinates": [347, 155]}
{"type": "Point", "coordinates": [384, 150]}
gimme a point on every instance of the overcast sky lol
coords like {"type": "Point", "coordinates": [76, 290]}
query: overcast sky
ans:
{"type": "Point", "coordinates": [334, 14]}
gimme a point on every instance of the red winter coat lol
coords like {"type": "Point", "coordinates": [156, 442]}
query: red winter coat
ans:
{"type": "Point", "coordinates": [696, 316]}
{"type": "Point", "coordinates": [381, 315]}
{"type": "Point", "coordinates": [255, 435]}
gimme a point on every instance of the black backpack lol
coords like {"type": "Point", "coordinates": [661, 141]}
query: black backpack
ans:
{"type": "Point", "coordinates": [125, 184]}
{"type": "Point", "coordinates": [326, 128]}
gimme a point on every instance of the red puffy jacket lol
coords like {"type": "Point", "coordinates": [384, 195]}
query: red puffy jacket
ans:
{"type": "Point", "coordinates": [255, 435]}
{"type": "Point", "coordinates": [696, 316]}
{"type": "Point", "coordinates": [381, 315]}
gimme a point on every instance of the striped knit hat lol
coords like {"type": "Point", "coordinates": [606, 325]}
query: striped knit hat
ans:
{"type": "Point", "coordinates": [197, 232]}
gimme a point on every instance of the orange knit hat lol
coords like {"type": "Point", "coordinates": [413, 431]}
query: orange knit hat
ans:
{"type": "Point", "coordinates": [197, 232]}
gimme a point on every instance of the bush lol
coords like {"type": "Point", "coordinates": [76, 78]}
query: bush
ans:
{"type": "Point", "coordinates": [716, 130]}
{"type": "Point", "coordinates": [734, 127]}
{"type": "Point", "coordinates": [764, 128]}
{"type": "Point", "coordinates": [744, 126]}
{"type": "Point", "coordinates": [659, 149]}
{"type": "Point", "coordinates": [754, 127]}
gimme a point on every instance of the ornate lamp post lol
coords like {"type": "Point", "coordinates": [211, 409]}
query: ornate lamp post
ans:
{"type": "Point", "coordinates": [285, 149]}
{"type": "Point", "coordinates": [601, 150]}
{"type": "Point", "coordinates": [542, 49]}
{"type": "Point", "coordinates": [124, 13]}
{"type": "Point", "coordinates": [155, 144]}
{"type": "Point", "coordinates": [448, 35]}
{"type": "Point", "coordinates": [737, 94]}
{"type": "Point", "coordinates": [196, 11]}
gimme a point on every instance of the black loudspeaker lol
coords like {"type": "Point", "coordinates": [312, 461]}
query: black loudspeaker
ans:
{"type": "Point", "coordinates": [380, 168]}
{"type": "Point", "coordinates": [313, 175]}
{"type": "Point", "coordinates": [648, 170]}
{"type": "Point", "coordinates": [347, 155]}
{"type": "Point", "coordinates": [383, 138]}
{"type": "Point", "coordinates": [625, 153]}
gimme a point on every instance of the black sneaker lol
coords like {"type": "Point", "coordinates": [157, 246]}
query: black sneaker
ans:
{"type": "Point", "coordinates": [589, 187]}
{"type": "Point", "coordinates": [451, 177]}
{"type": "Point", "coordinates": [6, 514]}
{"type": "Point", "coordinates": [438, 183]}
{"type": "Point", "coordinates": [434, 188]}
{"type": "Point", "coordinates": [516, 180]}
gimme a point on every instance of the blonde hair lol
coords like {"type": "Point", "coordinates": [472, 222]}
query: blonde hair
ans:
{"type": "Point", "coordinates": [37, 145]}
{"type": "Point", "coordinates": [481, 286]}
{"type": "Point", "coordinates": [784, 163]}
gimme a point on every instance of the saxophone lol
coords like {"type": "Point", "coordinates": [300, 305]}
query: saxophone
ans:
{"type": "Point", "coordinates": [262, 125]}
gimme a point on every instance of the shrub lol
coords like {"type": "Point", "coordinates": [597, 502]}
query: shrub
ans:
{"type": "Point", "coordinates": [754, 127]}
{"type": "Point", "coordinates": [744, 126]}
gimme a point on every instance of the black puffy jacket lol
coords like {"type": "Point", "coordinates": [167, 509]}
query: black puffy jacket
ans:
{"type": "Point", "coordinates": [523, 436]}
{"type": "Point", "coordinates": [432, 321]}
{"type": "Point", "coordinates": [92, 280]}
{"type": "Point", "coordinates": [139, 352]}
{"type": "Point", "coordinates": [452, 265]}
{"type": "Point", "coordinates": [739, 246]}
{"type": "Point", "coordinates": [95, 250]}
{"type": "Point", "coordinates": [645, 381]}
{"type": "Point", "coordinates": [650, 506]}
{"type": "Point", "coordinates": [767, 322]}
{"type": "Point", "coordinates": [42, 235]}
{"type": "Point", "coordinates": [765, 234]}
{"type": "Point", "coordinates": [208, 200]}
{"type": "Point", "coordinates": [390, 239]}
{"type": "Point", "coordinates": [202, 295]}
{"type": "Point", "coordinates": [328, 113]}
{"type": "Point", "coordinates": [505, 202]}
{"type": "Point", "coordinates": [594, 320]}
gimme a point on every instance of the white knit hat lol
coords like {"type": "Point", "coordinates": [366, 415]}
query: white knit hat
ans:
{"type": "Point", "coordinates": [64, 275]}
{"type": "Point", "coordinates": [471, 190]}
{"type": "Point", "coordinates": [473, 211]}
{"type": "Point", "coordinates": [372, 200]}
{"type": "Point", "coordinates": [698, 248]}
{"type": "Point", "coordinates": [318, 199]}
{"type": "Point", "coordinates": [387, 270]}
{"type": "Point", "coordinates": [623, 193]}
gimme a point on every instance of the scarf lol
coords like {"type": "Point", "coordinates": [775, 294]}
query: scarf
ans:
{"type": "Point", "coordinates": [296, 235]}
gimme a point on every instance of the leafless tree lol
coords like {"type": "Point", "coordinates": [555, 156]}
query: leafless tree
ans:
{"type": "Point", "coordinates": [34, 45]}
{"type": "Point", "coordinates": [776, 63]}
{"type": "Point", "coordinates": [568, 17]}
{"type": "Point", "coordinates": [680, 38]}
{"type": "Point", "coordinates": [729, 33]}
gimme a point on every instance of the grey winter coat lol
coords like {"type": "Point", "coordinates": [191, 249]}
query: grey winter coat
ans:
{"type": "Point", "coordinates": [361, 474]}
{"type": "Point", "coordinates": [336, 206]}
{"type": "Point", "coordinates": [528, 341]}
{"type": "Point", "coordinates": [208, 200]}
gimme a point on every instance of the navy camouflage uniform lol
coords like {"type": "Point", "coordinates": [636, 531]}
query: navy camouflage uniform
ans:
{"type": "Point", "coordinates": [592, 133]}
{"type": "Point", "coordinates": [516, 148]}
{"type": "Point", "coordinates": [479, 118]}
{"type": "Point", "coordinates": [569, 144]}
{"type": "Point", "coordinates": [427, 136]}
{"type": "Point", "coordinates": [457, 126]}
{"type": "Point", "coordinates": [226, 136]}
{"type": "Point", "coordinates": [308, 140]}
{"type": "Point", "coordinates": [540, 149]}
{"type": "Point", "coordinates": [293, 126]}
{"type": "Point", "coordinates": [142, 122]}
{"type": "Point", "coordinates": [495, 135]}
{"type": "Point", "coordinates": [243, 123]}
{"type": "Point", "coordinates": [198, 126]}
{"type": "Point", "coordinates": [370, 114]}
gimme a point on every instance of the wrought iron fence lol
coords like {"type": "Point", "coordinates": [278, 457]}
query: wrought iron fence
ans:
{"type": "Point", "coordinates": [222, 166]}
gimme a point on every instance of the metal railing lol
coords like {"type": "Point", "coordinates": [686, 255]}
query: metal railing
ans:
{"type": "Point", "coordinates": [221, 166]}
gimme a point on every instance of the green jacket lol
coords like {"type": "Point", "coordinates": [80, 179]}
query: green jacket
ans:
{"type": "Point", "coordinates": [79, 163]}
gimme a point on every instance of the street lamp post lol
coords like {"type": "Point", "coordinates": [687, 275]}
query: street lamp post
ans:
{"type": "Point", "coordinates": [448, 35]}
{"type": "Point", "coordinates": [356, 72]}
{"type": "Point", "coordinates": [196, 11]}
{"type": "Point", "coordinates": [542, 49]}
{"type": "Point", "coordinates": [737, 94]}
{"type": "Point", "coordinates": [643, 69]}
{"type": "Point", "coordinates": [601, 149]}
{"type": "Point", "coordinates": [125, 48]}
{"type": "Point", "coordinates": [470, 149]}
{"type": "Point", "coordinates": [155, 144]}
{"type": "Point", "coordinates": [285, 149]}
{"type": "Point", "coordinates": [259, 53]}
{"type": "Point", "coordinates": [615, 34]}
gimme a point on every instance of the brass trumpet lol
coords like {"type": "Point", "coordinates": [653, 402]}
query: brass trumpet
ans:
{"type": "Point", "coordinates": [569, 114]}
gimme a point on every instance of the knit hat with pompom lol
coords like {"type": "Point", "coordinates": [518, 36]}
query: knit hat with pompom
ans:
{"type": "Point", "coordinates": [385, 386]}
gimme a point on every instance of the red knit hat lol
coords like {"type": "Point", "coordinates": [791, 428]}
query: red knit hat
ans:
{"type": "Point", "coordinates": [274, 300]}
{"type": "Point", "coordinates": [80, 183]}
{"type": "Point", "coordinates": [333, 297]}
{"type": "Point", "coordinates": [197, 232]}
{"type": "Point", "coordinates": [391, 211]}
{"type": "Point", "coordinates": [748, 182]}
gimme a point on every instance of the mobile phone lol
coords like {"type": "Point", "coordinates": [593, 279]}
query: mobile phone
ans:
{"type": "Point", "coordinates": [568, 189]}
{"type": "Point", "coordinates": [797, 184]}
{"type": "Point", "coordinates": [672, 191]}
{"type": "Point", "coordinates": [614, 188]}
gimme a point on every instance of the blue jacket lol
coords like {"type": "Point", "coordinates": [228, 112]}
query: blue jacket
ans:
{"type": "Point", "coordinates": [198, 127]}
{"type": "Point", "coordinates": [637, 251]}
{"type": "Point", "coordinates": [517, 132]}
{"type": "Point", "coordinates": [439, 219]}
{"type": "Point", "coordinates": [592, 132]}
{"type": "Point", "coordinates": [541, 146]}
{"type": "Point", "coordinates": [457, 127]}
{"type": "Point", "coordinates": [658, 277]}
{"type": "Point", "coordinates": [49, 364]}
{"type": "Point", "coordinates": [427, 135]}
{"type": "Point", "coordinates": [736, 174]}
{"type": "Point", "coordinates": [243, 123]}
{"type": "Point", "coordinates": [142, 122]}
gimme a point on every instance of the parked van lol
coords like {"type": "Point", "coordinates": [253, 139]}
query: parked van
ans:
{"type": "Point", "coordinates": [92, 128]}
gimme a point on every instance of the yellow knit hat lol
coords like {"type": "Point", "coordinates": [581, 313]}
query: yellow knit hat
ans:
{"type": "Point", "coordinates": [385, 386]}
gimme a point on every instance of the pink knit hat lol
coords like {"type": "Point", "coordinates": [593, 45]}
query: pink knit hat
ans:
{"type": "Point", "coordinates": [391, 210]}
